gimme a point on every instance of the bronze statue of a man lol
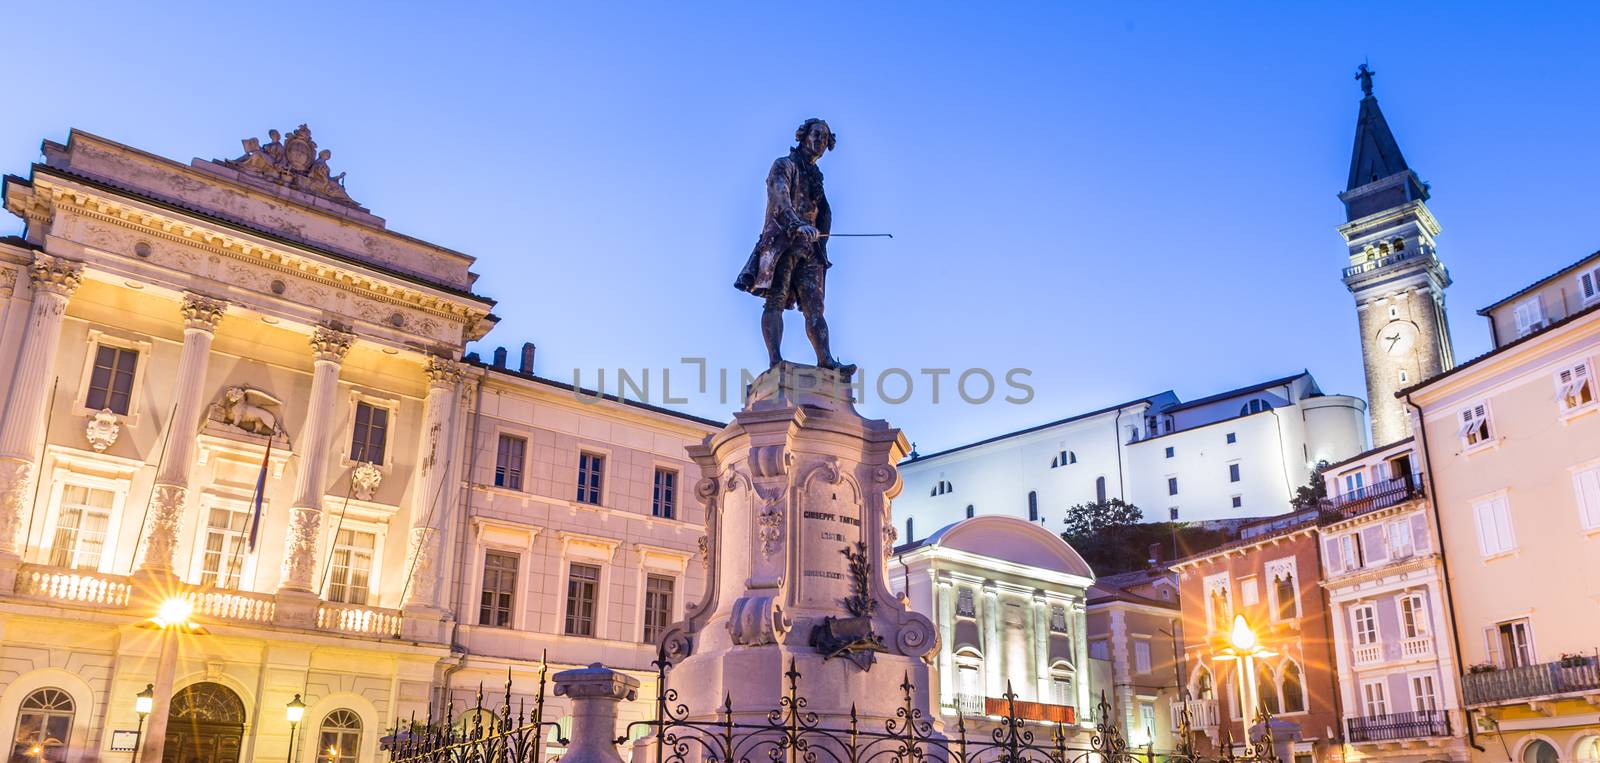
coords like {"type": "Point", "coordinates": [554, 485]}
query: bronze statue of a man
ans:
{"type": "Point", "coordinates": [789, 265]}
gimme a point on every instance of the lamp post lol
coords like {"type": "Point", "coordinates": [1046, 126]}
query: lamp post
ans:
{"type": "Point", "coordinates": [172, 619]}
{"type": "Point", "coordinates": [142, 704]}
{"type": "Point", "coordinates": [1244, 647]}
{"type": "Point", "coordinates": [294, 712]}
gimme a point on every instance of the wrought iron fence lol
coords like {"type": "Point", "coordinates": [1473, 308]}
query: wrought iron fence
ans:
{"type": "Point", "coordinates": [791, 733]}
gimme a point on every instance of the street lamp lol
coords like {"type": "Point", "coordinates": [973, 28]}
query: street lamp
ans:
{"type": "Point", "coordinates": [172, 619]}
{"type": "Point", "coordinates": [1245, 647]}
{"type": "Point", "coordinates": [294, 712]}
{"type": "Point", "coordinates": [333, 753]}
{"type": "Point", "coordinates": [143, 703]}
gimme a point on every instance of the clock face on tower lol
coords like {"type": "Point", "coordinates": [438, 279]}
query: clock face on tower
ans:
{"type": "Point", "coordinates": [1397, 337]}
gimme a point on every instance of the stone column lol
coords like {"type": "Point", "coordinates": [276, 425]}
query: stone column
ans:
{"type": "Point", "coordinates": [22, 431]}
{"type": "Point", "coordinates": [993, 651]}
{"type": "Point", "coordinates": [328, 346]}
{"type": "Point", "coordinates": [200, 318]}
{"type": "Point", "coordinates": [1080, 657]}
{"type": "Point", "coordinates": [947, 642]}
{"type": "Point", "coordinates": [432, 498]}
{"type": "Point", "coordinates": [1041, 647]}
{"type": "Point", "coordinates": [595, 692]}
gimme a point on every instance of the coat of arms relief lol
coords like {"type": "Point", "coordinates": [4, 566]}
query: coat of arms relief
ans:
{"type": "Point", "coordinates": [293, 161]}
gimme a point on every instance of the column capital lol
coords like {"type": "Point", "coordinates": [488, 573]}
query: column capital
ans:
{"type": "Point", "coordinates": [55, 275]}
{"type": "Point", "coordinates": [330, 344]}
{"type": "Point", "coordinates": [441, 372]}
{"type": "Point", "coordinates": [202, 312]}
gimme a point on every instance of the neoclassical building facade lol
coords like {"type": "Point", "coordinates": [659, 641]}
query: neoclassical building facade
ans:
{"type": "Point", "coordinates": [231, 384]}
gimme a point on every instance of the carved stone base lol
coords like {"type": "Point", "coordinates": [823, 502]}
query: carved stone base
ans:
{"type": "Point", "coordinates": [16, 490]}
{"type": "Point", "coordinates": [300, 549]}
{"type": "Point", "coordinates": [426, 624]}
{"type": "Point", "coordinates": [9, 563]}
{"type": "Point", "coordinates": [296, 609]}
{"type": "Point", "coordinates": [161, 536]}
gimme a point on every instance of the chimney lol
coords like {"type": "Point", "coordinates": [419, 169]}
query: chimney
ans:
{"type": "Point", "coordinates": [527, 359]}
{"type": "Point", "coordinates": [499, 357]}
{"type": "Point", "coordinates": [472, 357]}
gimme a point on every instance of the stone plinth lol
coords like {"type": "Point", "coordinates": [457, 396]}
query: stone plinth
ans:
{"type": "Point", "coordinates": [595, 692]}
{"type": "Point", "coordinates": [797, 493]}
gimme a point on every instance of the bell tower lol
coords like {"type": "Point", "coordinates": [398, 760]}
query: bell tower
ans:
{"type": "Point", "coordinates": [1394, 273]}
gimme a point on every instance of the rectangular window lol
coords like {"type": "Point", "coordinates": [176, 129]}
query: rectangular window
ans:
{"type": "Point", "coordinates": [1099, 649]}
{"type": "Point", "coordinates": [508, 460]}
{"type": "Point", "coordinates": [1529, 316]}
{"type": "Point", "coordinates": [499, 589]}
{"type": "Point", "coordinates": [664, 497]}
{"type": "Point", "coordinates": [1364, 620]}
{"type": "Point", "coordinates": [1350, 551]}
{"type": "Point", "coordinates": [1172, 512]}
{"type": "Point", "coordinates": [1373, 699]}
{"type": "Point", "coordinates": [1232, 438]}
{"type": "Point", "coordinates": [81, 524]}
{"type": "Point", "coordinates": [1169, 451]}
{"type": "Point", "coordinates": [657, 607]}
{"type": "Point", "coordinates": [583, 589]}
{"type": "Point", "coordinates": [1233, 472]}
{"type": "Point", "coordinates": [1475, 426]}
{"type": "Point", "coordinates": [350, 576]}
{"type": "Point", "coordinates": [1147, 719]}
{"type": "Point", "coordinates": [1061, 690]}
{"type": "Point", "coordinates": [1494, 526]}
{"type": "Point", "coordinates": [1172, 486]}
{"type": "Point", "coordinates": [1589, 285]}
{"type": "Point", "coordinates": [1285, 599]}
{"type": "Point", "coordinates": [1574, 388]}
{"type": "Point", "coordinates": [1355, 484]}
{"type": "Point", "coordinates": [1513, 642]}
{"type": "Point", "coordinates": [1400, 537]}
{"type": "Point", "coordinates": [1413, 618]}
{"type": "Point", "coordinates": [1238, 501]}
{"type": "Point", "coordinates": [591, 467]}
{"type": "Point", "coordinates": [371, 434]}
{"type": "Point", "coordinates": [222, 561]}
{"type": "Point", "coordinates": [1424, 696]}
{"type": "Point", "coordinates": [1586, 483]}
{"type": "Point", "coordinates": [1141, 656]}
{"type": "Point", "coordinates": [111, 381]}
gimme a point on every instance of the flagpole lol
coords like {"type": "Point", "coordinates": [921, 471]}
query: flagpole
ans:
{"type": "Point", "coordinates": [327, 566]}
{"type": "Point", "coordinates": [235, 560]}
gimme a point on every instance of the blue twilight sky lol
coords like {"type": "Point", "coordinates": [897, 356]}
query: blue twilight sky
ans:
{"type": "Point", "coordinates": [1122, 198]}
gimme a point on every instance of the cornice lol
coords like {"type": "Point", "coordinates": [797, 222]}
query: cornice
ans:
{"type": "Point", "coordinates": [252, 249]}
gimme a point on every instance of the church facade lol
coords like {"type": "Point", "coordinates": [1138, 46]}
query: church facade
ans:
{"type": "Point", "coordinates": [184, 341]}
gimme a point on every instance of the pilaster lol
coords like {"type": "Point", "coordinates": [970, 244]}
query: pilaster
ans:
{"type": "Point", "coordinates": [200, 317]}
{"type": "Point", "coordinates": [328, 347]}
{"type": "Point", "coordinates": [947, 641]}
{"type": "Point", "coordinates": [993, 651]}
{"type": "Point", "coordinates": [22, 431]}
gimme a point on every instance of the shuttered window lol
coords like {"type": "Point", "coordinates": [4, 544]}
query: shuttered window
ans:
{"type": "Point", "coordinates": [1586, 484]}
{"type": "Point", "coordinates": [1494, 526]}
{"type": "Point", "coordinates": [508, 462]}
{"type": "Point", "coordinates": [1529, 316]}
{"type": "Point", "coordinates": [1574, 387]}
{"type": "Point", "coordinates": [1475, 426]}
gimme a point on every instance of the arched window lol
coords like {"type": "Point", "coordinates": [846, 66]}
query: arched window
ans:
{"type": "Point", "coordinates": [1294, 693]}
{"type": "Point", "coordinates": [44, 726]}
{"type": "Point", "coordinates": [1540, 751]}
{"type": "Point", "coordinates": [969, 515]}
{"type": "Point", "coordinates": [911, 534]}
{"type": "Point", "coordinates": [970, 690]}
{"type": "Point", "coordinates": [1255, 406]}
{"type": "Point", "coordinates": [1588, 750]}
{"type": "Point", "coordinates": [340, 740]}
{"type": "Point", "coordinates": [1283, 591]}
{"type": "Point", "coordinates": [1203, 687]}
{"type": "Point", "coordinates": [1266, 693]}
{"type": "Point", "coordinates": [1100, 489]}
{"type": "Point", "coordinates": [1033, 506]}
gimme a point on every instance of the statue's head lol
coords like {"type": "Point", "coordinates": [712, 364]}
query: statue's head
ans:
{"type": "Point", "coordinates": [815, 137]}
{"type": "Point", "coordinates": [234, 394]}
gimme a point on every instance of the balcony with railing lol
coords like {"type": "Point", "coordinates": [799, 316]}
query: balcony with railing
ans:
{"type": "Point", "coordinates": [1378, 263]}
{"type": "Point", "coordinates": [970, 704]}
{"type": "Point", "coordinates": [1572, 675]}
{"type": "Point", "coordinates": [1396, 726]}
{"type": "Point", "coordinates": [110, 593]}
{"type": "Point", "coordinates": [1202, 713]}
{"type": "Point", "coordinates": [1380, 495]}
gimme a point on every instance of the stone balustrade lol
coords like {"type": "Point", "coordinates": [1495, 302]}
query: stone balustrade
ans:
{"type": "Point", "coordinates": [52, 584]}
{"type": "Point", "coordinates": [357, 619]}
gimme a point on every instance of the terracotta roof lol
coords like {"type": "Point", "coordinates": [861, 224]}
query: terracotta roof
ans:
{"type": "Point", "coordinates": [1540, 282]}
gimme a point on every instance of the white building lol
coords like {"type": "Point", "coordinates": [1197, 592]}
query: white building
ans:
{"type": "Point", "coordinates": [426, 524]}
{"type": "Point", "coordinates": [1233, 455]}
{"type": "Point", "coordinates": [1009, 600]}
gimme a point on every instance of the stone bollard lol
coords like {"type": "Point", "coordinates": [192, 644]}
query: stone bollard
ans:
{"type": "Point", "coordinates": [595, 692]}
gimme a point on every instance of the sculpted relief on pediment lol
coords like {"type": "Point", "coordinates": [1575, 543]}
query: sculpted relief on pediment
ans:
{"type": "Point", "coordinates": [293, 161]}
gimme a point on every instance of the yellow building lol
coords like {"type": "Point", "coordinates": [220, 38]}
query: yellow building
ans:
{"type": "Point", "coordinates": [1511, 444]}
{"type": "Point", "coordinates": [182, 339]}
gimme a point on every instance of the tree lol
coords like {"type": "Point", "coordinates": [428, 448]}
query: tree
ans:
{"type": "Point", "coordinates": [1313, 494]}
{"type": "Point", "coordinates": [1089, 519]}
{"type": "Point", "coordinates": [1110, 537]}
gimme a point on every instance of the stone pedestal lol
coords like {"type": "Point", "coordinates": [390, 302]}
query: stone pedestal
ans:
{"type": "Point", "coordinates": [595, 692]}
{"type": "Point", "coordinates": [797, 493]}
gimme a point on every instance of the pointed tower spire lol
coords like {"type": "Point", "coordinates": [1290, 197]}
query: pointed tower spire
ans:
{"type": "Point", "coordinates": [1376, 157]}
